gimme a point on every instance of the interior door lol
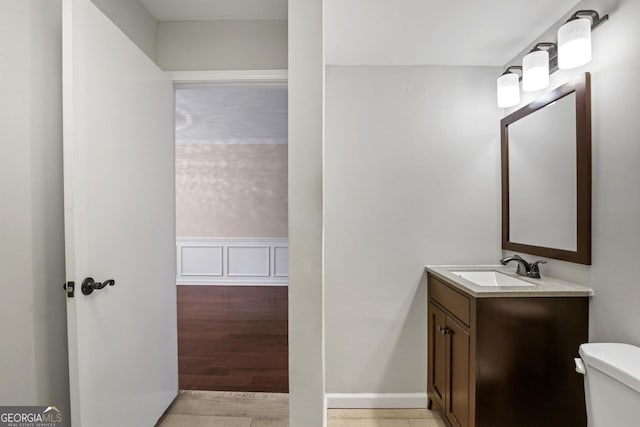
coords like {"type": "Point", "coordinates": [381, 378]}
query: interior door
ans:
{"type": "Point", "coordinates": [119, 224]}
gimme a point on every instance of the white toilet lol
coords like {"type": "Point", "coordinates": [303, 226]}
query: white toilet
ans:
{"type": "Point", "coordinates": [612, 383]}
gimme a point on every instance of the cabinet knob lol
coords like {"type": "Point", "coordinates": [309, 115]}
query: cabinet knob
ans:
{"type": "Point", "coordinates": [446, 330]}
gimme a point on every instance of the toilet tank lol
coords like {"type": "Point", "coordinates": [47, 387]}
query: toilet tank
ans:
{"type": "Point", "coordinates": [612, 384]}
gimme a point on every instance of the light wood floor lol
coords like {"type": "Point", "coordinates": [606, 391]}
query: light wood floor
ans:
{"type": "Point", "coordinates": [235, 409]}
{"type": "Point", "coordinates": [228, 409]}
{"type": "Point", "coordinates": [383, 418]}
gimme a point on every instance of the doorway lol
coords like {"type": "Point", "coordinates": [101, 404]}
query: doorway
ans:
{"type": "Point", "coordinates": [231, 236]}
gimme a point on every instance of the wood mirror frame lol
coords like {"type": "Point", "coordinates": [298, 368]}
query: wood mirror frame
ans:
{"type": "Point", "coordinates": [582, 88]}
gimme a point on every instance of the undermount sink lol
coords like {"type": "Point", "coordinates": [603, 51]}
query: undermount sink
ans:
{"type": "Point", "coordinates": [491, 278]}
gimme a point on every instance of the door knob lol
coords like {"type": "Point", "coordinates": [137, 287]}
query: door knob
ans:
{"type": "Point", "coordinates": [89, 285]}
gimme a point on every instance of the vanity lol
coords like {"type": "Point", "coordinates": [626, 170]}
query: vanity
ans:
{"type": "Point", "coordinates": [501, 344]}
{"type": "Point", "coordinates": [501, 347]}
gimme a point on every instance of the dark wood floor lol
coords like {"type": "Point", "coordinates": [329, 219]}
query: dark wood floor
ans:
{"type": "Point", "coordinates": [233, 338]}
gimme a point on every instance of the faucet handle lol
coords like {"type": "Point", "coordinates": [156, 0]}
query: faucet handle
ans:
{"type": "Point", "coordinates": [534, 270]}
{"type": "Point", "coordinates": [534, 265]}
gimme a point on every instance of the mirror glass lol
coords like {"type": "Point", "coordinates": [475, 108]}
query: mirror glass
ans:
{"type": "Point", "coordinates": [542, 177]}
{"type": "Point", "coordinates": [546, 175]}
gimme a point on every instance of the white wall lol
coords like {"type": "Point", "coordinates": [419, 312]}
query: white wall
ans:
{"type": "Point", "coordinates": [33, 364]}
{"type": "Point", "coordinates": [135, 21]}
{"type": "Point", "coordinates": [306, 103]}
{"type": "Point", "coordinates": [411, 178]}
{"type": "Point", "coordinates": [231, 190]}
{"type": "Point", "coordinates": [222, 45]}
{"type": "Point", "coordinates": [231, 179]}
{"type": "Point", "coordinates": [615, 102]}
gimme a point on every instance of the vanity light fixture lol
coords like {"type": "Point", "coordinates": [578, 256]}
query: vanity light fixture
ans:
{"type": "Point", "coordinates": [535, 66]}
{"type": "Point", "coordinates": [509, 87]}
{"type": "Point", "coordinates": [572, 50]}
{"type": "Point", "coordinates": [574, 38]}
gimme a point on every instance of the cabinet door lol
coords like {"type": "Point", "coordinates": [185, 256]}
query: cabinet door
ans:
{"type": "Point", "coordinates": [437, 354]}
{"type": "Point", "coordinates": [457, 401]}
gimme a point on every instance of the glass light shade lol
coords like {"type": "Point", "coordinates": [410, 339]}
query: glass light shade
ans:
{"type": "Point", "coordinates": [508, 90]}
{"type": "Point", "coordinates": [535, 71]}
{"type": "Point", "coordinates": [574, 44]}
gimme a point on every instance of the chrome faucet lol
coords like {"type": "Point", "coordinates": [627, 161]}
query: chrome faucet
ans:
{"type": "Point", "coordinates": [524, 268]}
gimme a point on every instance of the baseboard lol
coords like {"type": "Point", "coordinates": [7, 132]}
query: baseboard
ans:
{"type": "Point", "coordinates": [376, 400]}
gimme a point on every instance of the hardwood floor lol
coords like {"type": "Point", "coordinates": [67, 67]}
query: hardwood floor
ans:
{"type": "Point", "coordinates": [233, 338]}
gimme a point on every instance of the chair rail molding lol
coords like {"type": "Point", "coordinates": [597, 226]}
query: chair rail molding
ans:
{"type": "Point", "coordinates": [232, 261]}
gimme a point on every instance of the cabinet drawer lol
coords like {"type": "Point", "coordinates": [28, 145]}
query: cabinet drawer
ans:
{"type": "Point", "coordinates": [455, 302]}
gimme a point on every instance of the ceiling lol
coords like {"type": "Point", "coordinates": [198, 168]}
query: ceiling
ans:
{"type": "Point", "coordinates": [212, 10]}
{"type": "Point", "coordinates": [399, 32]}
{"type": "Point", "coordinates": [435, 32]}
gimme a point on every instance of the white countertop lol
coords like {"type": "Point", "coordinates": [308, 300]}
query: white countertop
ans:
{"type": "Point", "coordinates": [544, 287]}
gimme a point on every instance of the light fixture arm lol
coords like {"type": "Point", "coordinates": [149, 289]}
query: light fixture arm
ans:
{"type": "Point", "coordinates": [596, 20]}
{"type": "Point", "coordinates": [511, 68]}
{"type": "Point", "coordinates": [550, 47]}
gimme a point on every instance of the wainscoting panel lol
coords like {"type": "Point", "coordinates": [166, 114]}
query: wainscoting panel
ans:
{"type": "Point", "coordinates": [237, 261]}
{"type": "Point", "coordinates": [200, 260]}
{"type": "Point", "coordinates": [248, 261]}
{"type": "Point", "coordinates": [281, 260]}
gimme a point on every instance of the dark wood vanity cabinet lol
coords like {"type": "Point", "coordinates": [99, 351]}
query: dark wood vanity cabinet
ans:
{"type": "Point", "coordinates": [505, 361]}
{"type": "Point", "coordinates": [450, 353]}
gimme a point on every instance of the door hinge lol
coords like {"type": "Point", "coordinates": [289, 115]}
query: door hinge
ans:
{"type": "Point", "coordinates": [70, 287]}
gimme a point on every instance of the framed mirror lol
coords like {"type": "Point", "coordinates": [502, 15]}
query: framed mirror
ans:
{"type": "Point", "coordinates": [546, 175]}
